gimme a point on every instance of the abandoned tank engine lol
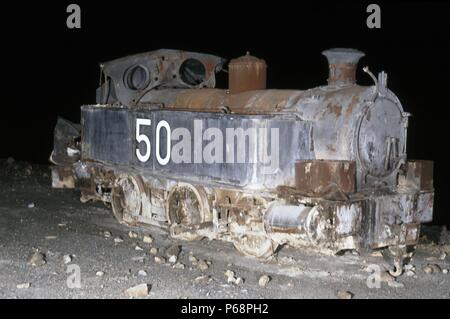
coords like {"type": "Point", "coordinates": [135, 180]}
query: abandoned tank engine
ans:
{"type": "Point", "coordinates": [324, 168]}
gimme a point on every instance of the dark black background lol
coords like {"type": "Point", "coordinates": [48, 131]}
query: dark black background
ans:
{"type": "Point", "coordinates": [50, 70]}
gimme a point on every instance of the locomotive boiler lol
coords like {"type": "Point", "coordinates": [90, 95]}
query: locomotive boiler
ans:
{"type": "Point", "coordinates": [324, 168]}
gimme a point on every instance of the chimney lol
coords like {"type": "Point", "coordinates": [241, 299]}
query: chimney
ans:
{"type": "Point", "coordinates": [342, 64]}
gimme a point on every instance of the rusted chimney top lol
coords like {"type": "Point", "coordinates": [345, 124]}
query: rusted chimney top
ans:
{"type": "Point", "coordinates": [342, 64]}
{"type": "Point", "coordinates": [246, 73]}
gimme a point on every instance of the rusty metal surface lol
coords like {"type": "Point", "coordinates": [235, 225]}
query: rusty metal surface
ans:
{"type": "Point", "coordinates": [128, 79]}
{"type": "Point", "coordinates": [322, 178]}
{"type": "Point", "coordinates": [418, 175]}
{"type": "Point", "coordinates": [246, 73]}
{"type": "Point", "coordinates": [342, 65]}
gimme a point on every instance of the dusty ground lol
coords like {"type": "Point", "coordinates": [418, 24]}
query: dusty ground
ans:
{"type": "Point", "coordinates": [59, 225]}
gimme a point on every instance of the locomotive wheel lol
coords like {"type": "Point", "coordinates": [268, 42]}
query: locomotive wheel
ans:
{"type": "Point", "coordinates": [186, 207]}
{"type": "Point", "coordinates": [255, 246]}
{"type": "Point", "coordinates": [126, 197]}
{"type": "Point", "coordinates": [248, 222]}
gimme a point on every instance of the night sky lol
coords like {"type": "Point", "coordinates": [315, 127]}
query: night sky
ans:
{"type": "Point", "coordinates": [49, 70]}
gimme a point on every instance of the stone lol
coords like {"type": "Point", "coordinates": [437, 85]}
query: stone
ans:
{"type": "Point", "coordinates": [410, 273]}
{"type": "Point", "coordinates": [173, 259]}
{"type": "Point", "coordinates": [99, 273]}
{"type": "Point", "coordinates": [142, 273]}
{"type": "Point", "coordinates": [107, 234]}
{"type": "Point", "coordinates": [173, 251]}
{"type": "Point", "coordinates": [192, 260]}
{"type": "Point", "coordinates": [431, 269]}
{"type": "Point", "coordinates": [201, 279]}
{"type": "Point", "coordinates": [263, 280]}
{"type": "Point", "coordinates": [67, 259]}
{"type": "Point", "coordinates": [231, 278]}
{"type": "Point", "coordinates": [153, 250]}
{"type": "Point", "coordinates": [179, 266]}
{"type": "Point", "coordinates": [118, 240]}
{"type": "Point", "coordinates": [342, 294]}
{"type": "Point", "coordinates": [160, 260]}
{"type": "Point", "coordinates": [139, 291]}
{"type": "Point", "coordinates": [147, 239]}
{"type": "Point", "coordinates": [132, 234]}
{"type": "Point", "coordinates": [23, 286]}
{"type": "Point", "coordinates": [395, 284]}
{"type": "Point", "coordinates": [31, 205]}
{"type": "Point", "coordinates": [138, 248]}
{"type": "Point", "coordinates": [202, 265]}
{"type": "Point", "coordinates": [37, 259]}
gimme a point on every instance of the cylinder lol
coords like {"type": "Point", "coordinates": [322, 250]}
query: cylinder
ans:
{"type": "Point", "coordinates": [246, 73]}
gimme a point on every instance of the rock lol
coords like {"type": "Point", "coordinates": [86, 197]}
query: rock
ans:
{"type": "Point", "coordinates": [201, 279]}
{"type": "Point", "coordinates": [31, 205]}
{"type": "Point", "coordinates": [395, 284]}
{"type": "Point", "coordinates": [118, 240]}
{"type": "Point", "coordinates": [23, 286]}
{"type": "Point", "coordinates": [67, 259]}
{"type": "Point", "coordinates": [409, 267]}
{"type": "Point", "coordinates": [99, 273]}
{"type": "Point", "coordinates": [37, 259]}
{"type": "Point", "coordinates": [107, 234]}
{"type": "Point", "coordinates": [443, 255]}
{"type": "Point", "coordinates": [231, 278]}
{"type": "Point", "coordinates": [342, 294]}
{"type": "Point", "coordinates": [147, 239]}
{"type": "Point", "coordinates": [142, 273]}
{"type": "Point", "coordinates": [160, 260]}
{"type": "Point", "coordinates": [202, 265]}
{"type": "Point", "coordinates": [263, 280]}
{"type": "Point", "coordinates": [445, 271]}
{"type": "Point", "coordinates": [138, 248]}
{"type": "Point", "coordinates": [179, 266]}
{"type": "Point", "coordinates": [132, 234]}
{"type": "Point", "coordinates": [431, 269]}
{"type": "Point", "coordinates": [153, 250]}
{"type": "Point", "coordinates": [192, 260]}
{"type": "Point", "coordinates": [410, 273]}
{"type": "Point", "coordinates": [173, 259]}
{"type": "Point", "coordinates": [173, 251]}
{"type": "Point", "coordinates": [138, 291]}
{"type": "Point", "coordinates": [28, 170]}
{"type": "Point", "coordinates": [376, 253]}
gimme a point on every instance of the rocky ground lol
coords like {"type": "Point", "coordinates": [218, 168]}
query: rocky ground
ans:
{"type": "Point", "coordinates": [47, 235]}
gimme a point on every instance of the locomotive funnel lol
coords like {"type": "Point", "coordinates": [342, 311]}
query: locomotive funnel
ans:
{"type": "Point", "coordinates": [342, 64]}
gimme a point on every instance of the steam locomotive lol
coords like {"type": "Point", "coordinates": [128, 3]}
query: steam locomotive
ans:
{"type": "Point", "coordinates": [324, 168]}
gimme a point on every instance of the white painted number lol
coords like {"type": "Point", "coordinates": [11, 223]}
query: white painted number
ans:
{"type": "Point", "coordinates": [165, 160]}
{"type": "Point", "coordinates": [142, 138]}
